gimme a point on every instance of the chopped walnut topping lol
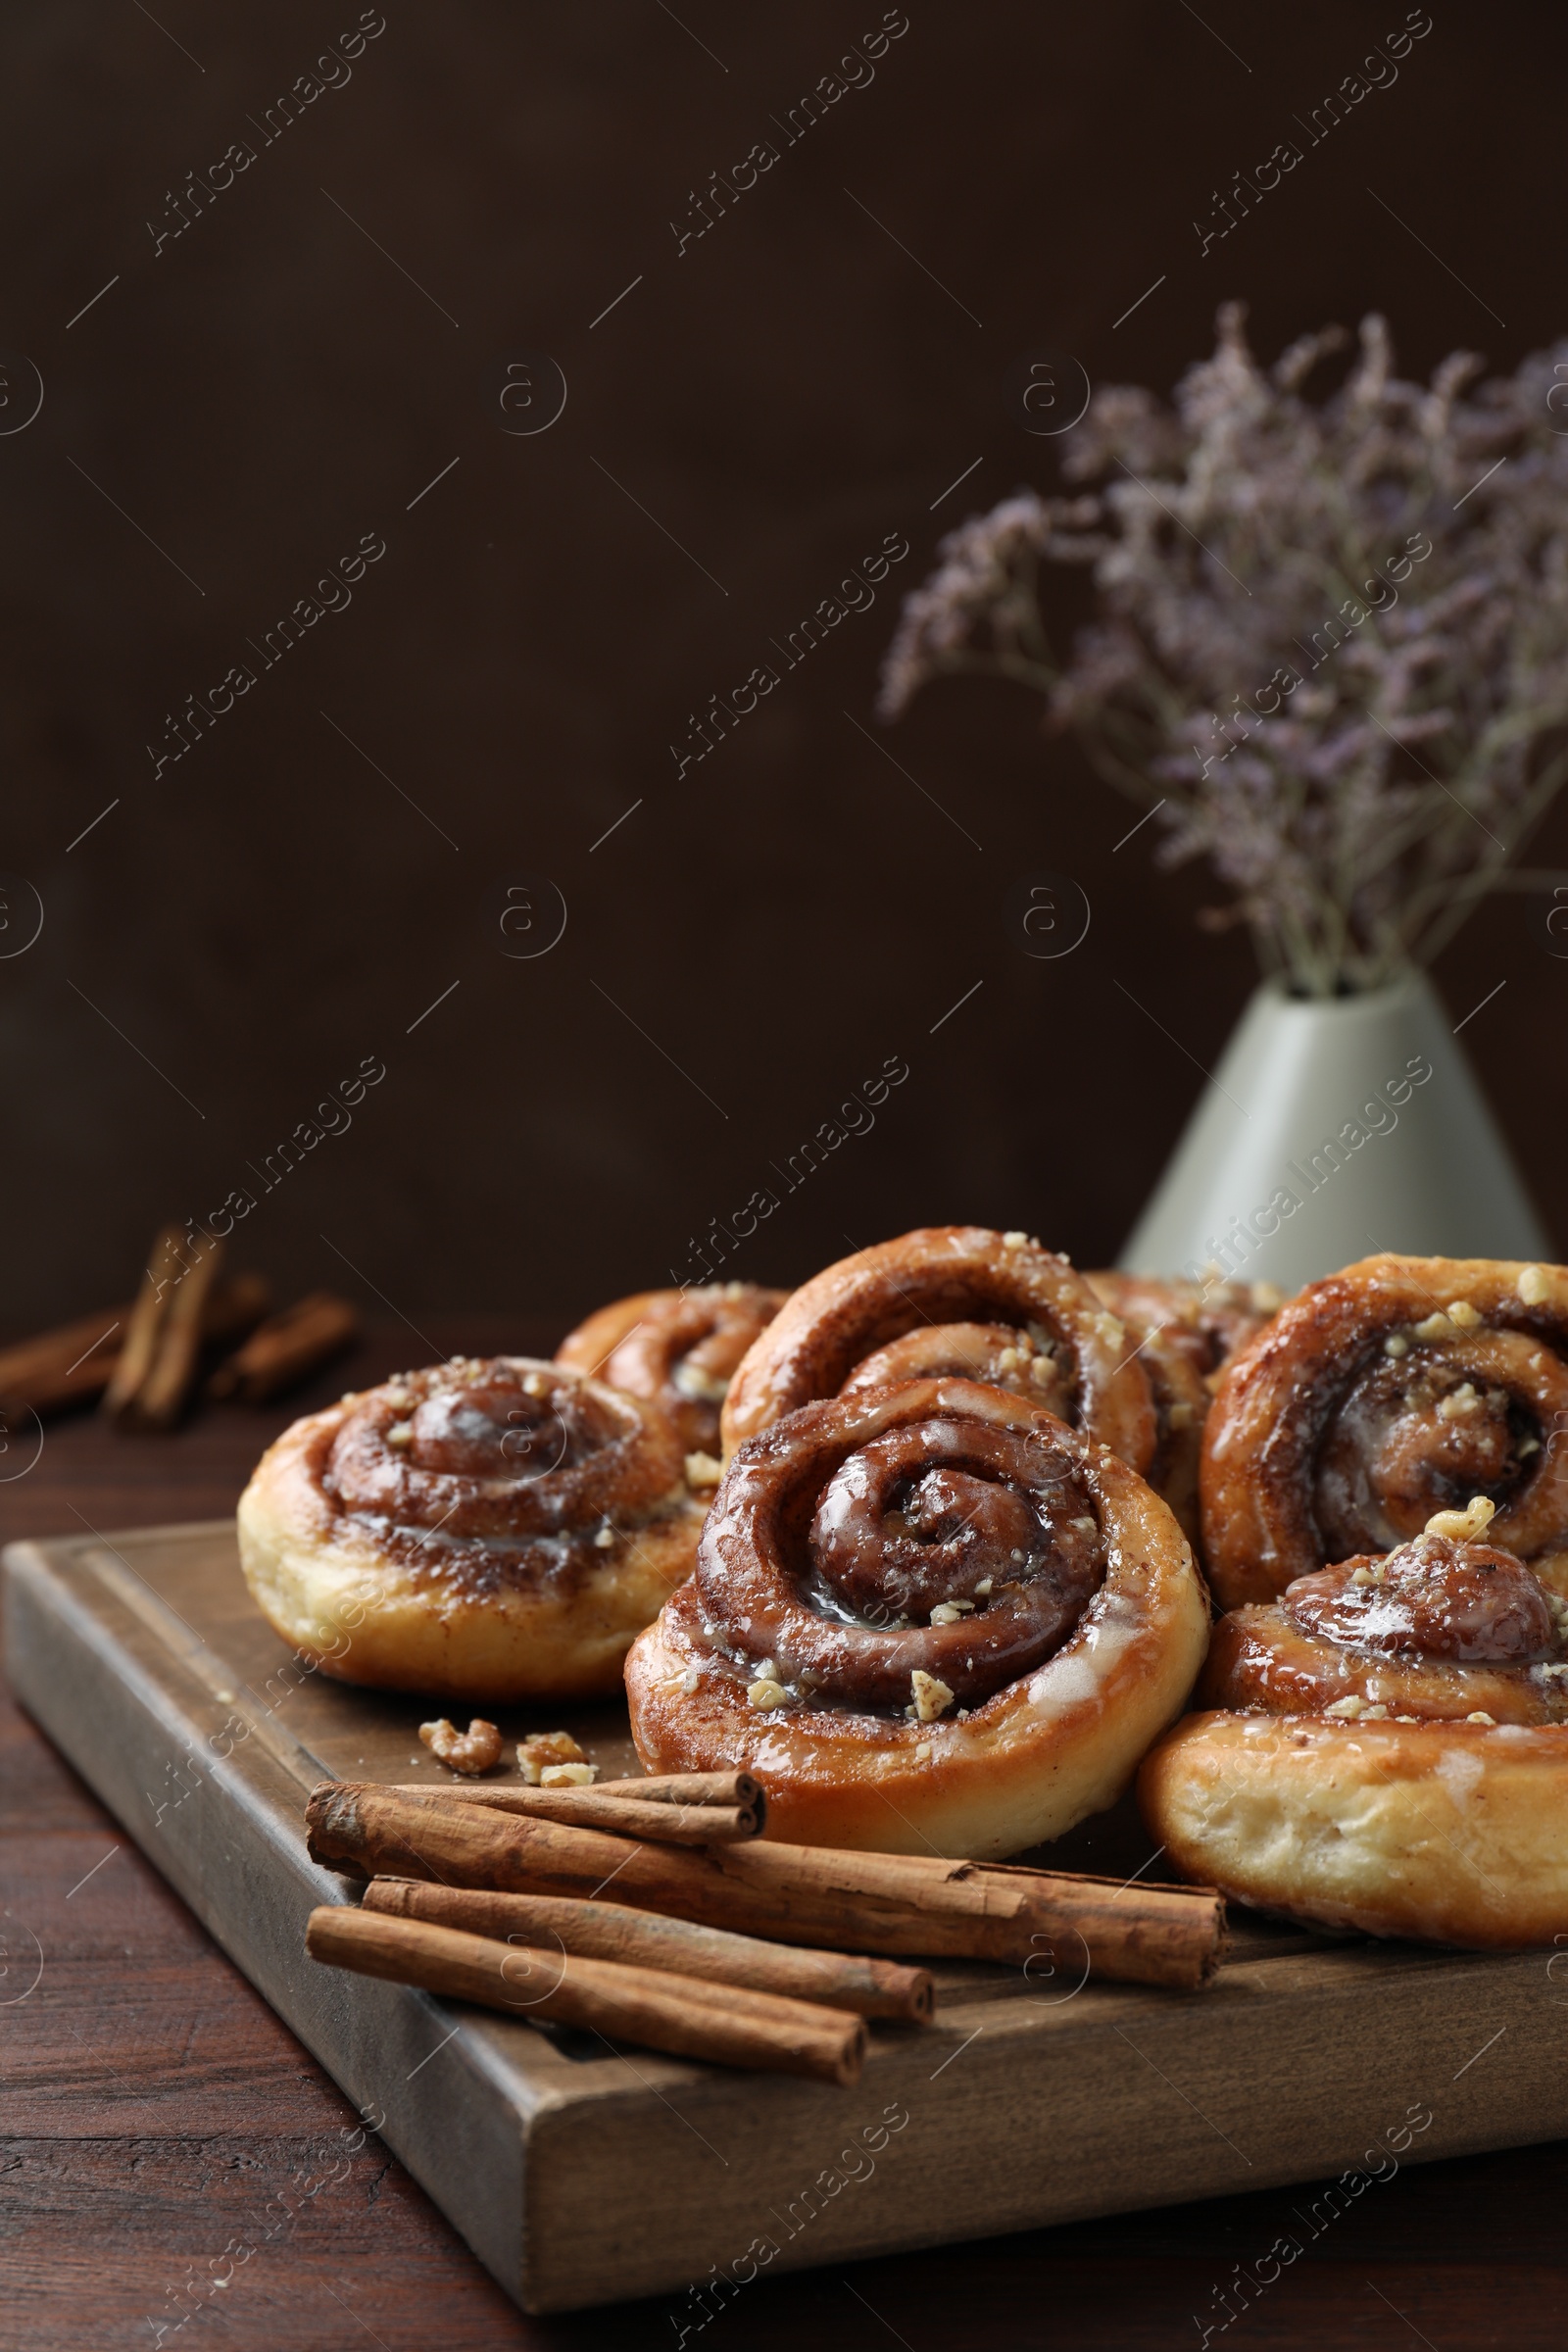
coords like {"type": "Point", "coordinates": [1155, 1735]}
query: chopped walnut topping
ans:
{"type": "Point", "coordinates": [1435, 1327]}
{"type": "Point", "coordinates": [1374, 1715]}
{"type": "Point", "coordinates": [1087, 1527]}
{"type": "Point", "coordinates": [931, 1697]}
{"type": "Point", "coordinates": [1533, 1286]}
{"type": "Point", "coordinates": [1346, 1709]}
{"type": "Point", "coordinates": [949, 1612]}
{"type": "Point", "coordinates": [1016, 1241]}
{"type": "Point", "coordinates": [604, 1538]}
{"type": "Point", "coordinates": [400, 1434]}
{"type": "Point", "coordinates": [1043, 1372]}
{"type": "Point", "coordinates": [1010, 1359]}
{"type": "Point", "coordinates": [1458, 1404]}
{"type": "Point", "coordinates": [984, 1586]}
{"type": "Point", "coordinates": [1526, 1447]}
{"type": "Point", "coordinates": [764, 1692]}
{"type": "Point", "coordinates": [1550, 1674]}
{"type": "Point", "coordinates": [1481, 1716]}
{"type": "Point", "coordinates": [923, 1754]}
{"type": "Point", "coordinates": [1463, 1527]}
{"type": "Point", "coordinates": [542, 1750]}
{"type": "Point", "coordinates": [475, 1750]}
{"type": "Point", "coordinates": [534, 1384]}
{"type": "Point", "coordinates": [568, 1776]}
{"type": "Point", "coordinates": [1267, 1297]}
{"type": "Point", "coordinates": [1396, 1343]}
{"type": "Point", "coordinates": [1461, 1313]}
{"type": "Point", "coordinates": [397, 1399]}
{"type": "Point", "coordinates": [702, 1470]}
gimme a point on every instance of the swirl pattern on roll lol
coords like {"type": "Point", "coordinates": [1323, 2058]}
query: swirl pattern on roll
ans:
{"type": "Point", "coordinates": [933, 1616]}
{"type": "Point", "coordinates": [487, 1529]}
{"type": "Point", "coordinates": [827, 1554]}
{"type": "Point", "coordinates": [951, 1300]}
{"type": "Point", "coordinates": [1386, 1747]}
{"type": "Point", "coordinates": [680, 1349]}
{"type": "Point", "coordinates": [498, 1469]}
{"type": "Point", "coordinates": [1397, 1388]}
{"type": "Point", "coordinates": [1442, 1629]}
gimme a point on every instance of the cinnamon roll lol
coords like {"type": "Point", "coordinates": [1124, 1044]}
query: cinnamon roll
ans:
{"type": "Point", "coordinates": [1396, 1388]}
{"type": "Point", "coordinates": [1185, 1331]}
{"type": "Point", "coordinates": [951, 1300]}
{"type": "Point", "coordinates": [488, 1529]}
{"type": "Point", "coordinates": [930, 1617]}
{"type": "Point", "coordinates": [1388, 1746]}
{"type": "Point", "coordinates": [678, 1348]}
{"type": "Point", "coordinates": [1207, 1322]}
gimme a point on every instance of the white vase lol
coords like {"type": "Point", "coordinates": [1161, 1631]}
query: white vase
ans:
{"type": "Point", "coordinates": [1330, 1130]}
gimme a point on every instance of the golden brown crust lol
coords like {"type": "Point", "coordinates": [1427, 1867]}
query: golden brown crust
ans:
{"type": "Point", "coordinates": [1446, 1833]}
{"type": "Point", "coordinates": [483, 1530]}
{"type": "Point", "coordinates": [679, 1349]}
{"type": "Point", "coordinates": [943, 1275]}
{"type": "Point", "coordinates": [1362, 1408]}
{"type": "Point", "coordinates": [1388, 1748]}
{"type": "Point", "coordinates": [1055, 1738]}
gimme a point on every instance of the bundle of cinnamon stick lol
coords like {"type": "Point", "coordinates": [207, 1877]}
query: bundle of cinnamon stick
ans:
{"type": "Point", "coordinates": [645, 1889]}
{"type": "Point", "coordinates": [143, 1359]}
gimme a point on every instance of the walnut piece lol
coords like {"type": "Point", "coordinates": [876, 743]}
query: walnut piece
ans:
{"type": "Point", "coordinates": [475, 1750]}
{"type": "Point", "coordinates": [1467, 1526]}
{"type": "Point", "coordinates": [702, 1470]}
{"type": "Point", "coordinates": [931, 1697]}
{"type": "Point", "coordinates": [568, 1776]}
{"type": "Point", "coordinates": [541, 1750]}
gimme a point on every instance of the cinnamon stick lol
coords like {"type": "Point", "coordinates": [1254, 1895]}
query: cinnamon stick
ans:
{"type": "Point", "coordinates": [722, 2022]}
{"type": "Point", "coordinates": [649, 1939]}
{"type": "Point", "coordinates": [285, 1348]}
{"type": "Point", "coordinates": [599, 1809]}
{"type": "Point", "coordinates": [76, 1361]}
{"type": "Point", "coordinates": [893, 1904]}
{"type": "Point", "coordinates": [155, 1404]}
{"type": "Point", "coordinates": [65, 1366]}
{"type": "Point", "coordinates": [145, 1326]}
{"type": "Point", "coordinates": [737, 1789]}
{"type": "Point", "coordinates": [163, 1339]}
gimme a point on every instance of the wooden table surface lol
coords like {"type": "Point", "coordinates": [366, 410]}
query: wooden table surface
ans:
{"type": "Point", "coordinates": [154, 2110]}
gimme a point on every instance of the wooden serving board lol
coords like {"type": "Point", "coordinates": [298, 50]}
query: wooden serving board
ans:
{"type": "Point", "coordinates": [581, 2174]}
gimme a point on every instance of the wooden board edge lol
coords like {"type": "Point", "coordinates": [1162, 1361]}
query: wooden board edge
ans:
{"type": "Point", "coordinates": [104, 1708]}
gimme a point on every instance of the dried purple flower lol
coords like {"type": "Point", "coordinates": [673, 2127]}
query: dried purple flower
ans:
{"type": "Point", "coordinates": [1331, 638]}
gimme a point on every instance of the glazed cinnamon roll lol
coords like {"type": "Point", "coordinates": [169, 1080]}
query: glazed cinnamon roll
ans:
{"type": "Point", "coordinates": [1207, 1322]}
{"type": "Point", "coordinates": [1388, 1746]}
{"type": "Point", "coordinates": [1398, 1388]}
{"type": "Point", "coordinates": [679, 1347]}
{"type": "Point", "coordinates": [493, 1529]}
{"type": "Point", "coordinates": [951, 1299]}
{"type": "Point", "coordinates": [931, 1616]}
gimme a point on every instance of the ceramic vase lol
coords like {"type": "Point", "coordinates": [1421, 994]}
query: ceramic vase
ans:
{"type": "Point", "coordinates": [1330, 1130]}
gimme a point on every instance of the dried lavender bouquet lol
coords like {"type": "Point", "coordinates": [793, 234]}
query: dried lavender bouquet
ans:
{"type": "Point", "coordinates": [1331, 638]}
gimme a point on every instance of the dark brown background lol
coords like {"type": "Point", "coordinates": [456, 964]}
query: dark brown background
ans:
{"type": "Point", "coordinates": [270, 386]}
